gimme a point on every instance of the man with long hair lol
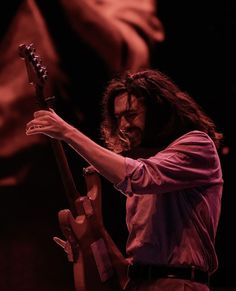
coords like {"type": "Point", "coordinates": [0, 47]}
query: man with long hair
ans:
{"type": "Point", "coordinates": [162, 154]}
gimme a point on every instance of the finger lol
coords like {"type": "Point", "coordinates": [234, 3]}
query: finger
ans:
{"type": "Point", "coordinates": [43, 119]}
{"type": "Point", "coordinates": [37, 123]}
{"type": "Point", "coordinates": [34, 128]}
{"type": "Point", "coordinates": [50, 109]}
{"type": "Point", "coordinates": [40, 113]}
{"type": "Point", "coordinates": [38, 130]}
{"type": "Point", "coordinates": [30, 124]}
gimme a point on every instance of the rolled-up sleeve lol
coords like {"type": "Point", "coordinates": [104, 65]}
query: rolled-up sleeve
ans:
{"type": "Point", "coordinates": [191, 161]}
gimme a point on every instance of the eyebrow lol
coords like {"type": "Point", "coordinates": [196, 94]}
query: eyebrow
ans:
{"type": "Point", "coordinates": [124, 112]}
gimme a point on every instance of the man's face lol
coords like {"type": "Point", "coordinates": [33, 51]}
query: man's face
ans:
{"type": "Point", "coordinates": [130, 119]}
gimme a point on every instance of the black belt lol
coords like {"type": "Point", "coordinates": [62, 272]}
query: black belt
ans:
{"type": "Point", "coordinates": [140, 273]}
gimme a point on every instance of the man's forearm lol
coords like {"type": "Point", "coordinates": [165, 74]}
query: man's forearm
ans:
{"type": "Point", "coordinates": [109, 164]}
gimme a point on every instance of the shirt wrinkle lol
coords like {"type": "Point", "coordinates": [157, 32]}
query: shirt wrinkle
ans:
{"type": "Point", "coordinates": [173, 203]}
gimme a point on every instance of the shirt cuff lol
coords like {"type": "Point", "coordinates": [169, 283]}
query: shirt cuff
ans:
{"type": "Point", "coordinates": [125, 186]}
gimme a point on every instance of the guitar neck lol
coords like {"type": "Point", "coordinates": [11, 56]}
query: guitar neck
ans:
{"type": "Point", "coordinates": [70, 188]}
{"type": "Point", "coordinates": [67, 178]}
{"type": "Point", "coordinates": [37, 75]}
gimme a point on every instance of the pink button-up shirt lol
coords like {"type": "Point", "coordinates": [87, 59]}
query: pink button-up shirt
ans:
{"type": "Point", "coordinates": [174, 202]}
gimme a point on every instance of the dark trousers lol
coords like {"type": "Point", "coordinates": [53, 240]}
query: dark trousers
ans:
{"type": "Point", "coordinates": [168, 285]}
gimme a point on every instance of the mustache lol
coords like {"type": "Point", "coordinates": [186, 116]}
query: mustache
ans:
{"type": "Point", "coordinates": [130, 130]}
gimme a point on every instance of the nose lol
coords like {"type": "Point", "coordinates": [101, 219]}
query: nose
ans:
{"type": "Point", "coordinates": [124, 123]}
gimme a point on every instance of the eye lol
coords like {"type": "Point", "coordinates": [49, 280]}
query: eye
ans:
{"type": "Point", "coordinates": [131, 115]}
{"type": "Point", "coordinates": [117, 117]}
{"type": "Point", "coordinates": [128, 115]}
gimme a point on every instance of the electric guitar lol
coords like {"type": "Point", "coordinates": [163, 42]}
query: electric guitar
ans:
{"type": "Point", "coordinates": [97, 262]}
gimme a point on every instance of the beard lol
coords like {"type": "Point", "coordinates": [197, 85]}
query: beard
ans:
{"type": "Point", "coordinates": [130, 138]}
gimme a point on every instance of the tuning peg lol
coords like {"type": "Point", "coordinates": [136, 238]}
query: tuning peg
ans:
{"type": "Point", "coordinates": [44, 77]}
{"type": "Point", "coordinates": [36, 59]}
{"type": "Point", "coordinates": [21, 50]}
{"type": "Point", "coordinates": [31, 47]}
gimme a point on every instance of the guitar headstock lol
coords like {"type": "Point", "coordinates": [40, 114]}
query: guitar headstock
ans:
{"type": "Point", "coordinates": [37, 73]}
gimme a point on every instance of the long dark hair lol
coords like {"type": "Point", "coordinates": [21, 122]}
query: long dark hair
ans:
{"type": "Point", "coordinates": [170, 111]}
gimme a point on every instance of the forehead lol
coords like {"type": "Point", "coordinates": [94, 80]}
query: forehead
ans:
{"type": "Point", "coordinates": [121, 103]}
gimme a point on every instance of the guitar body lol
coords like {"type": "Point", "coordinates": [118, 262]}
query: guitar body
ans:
{"type": "Point", "coordinates": [98, 263]}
